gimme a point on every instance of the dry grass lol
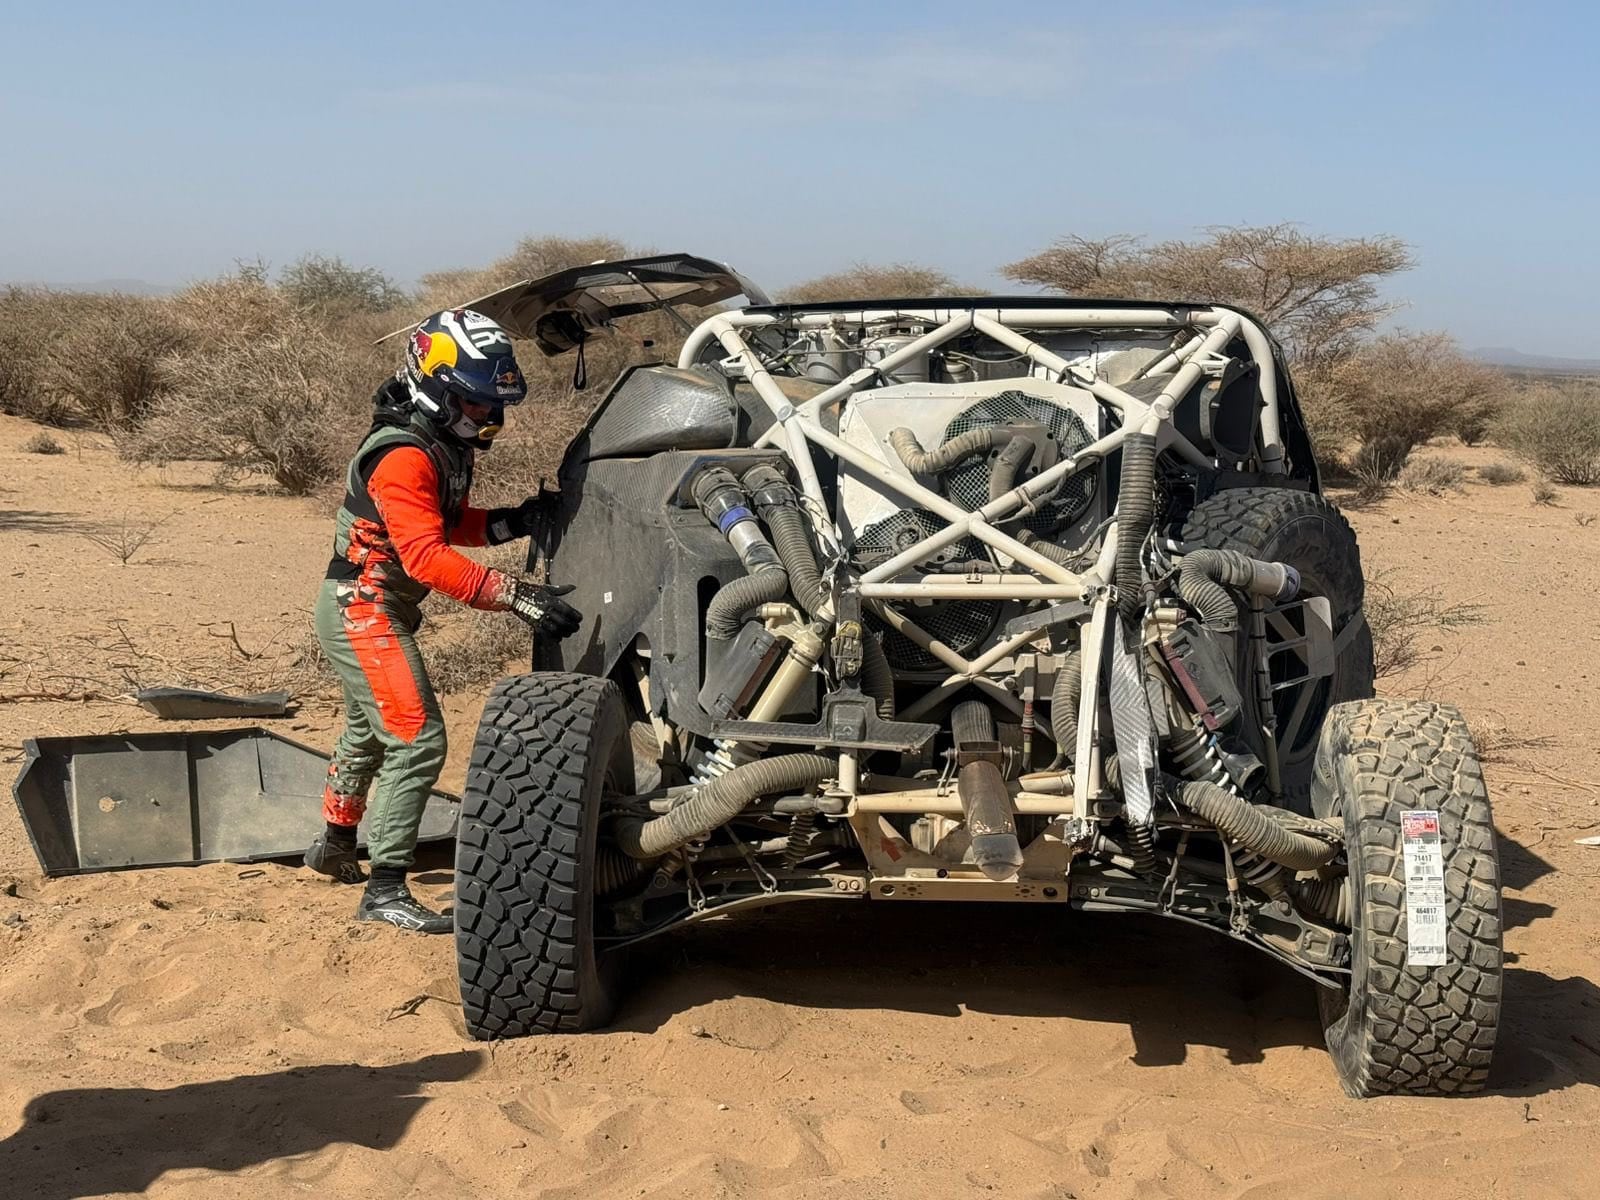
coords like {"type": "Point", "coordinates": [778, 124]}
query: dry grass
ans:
{"type": "Point", "coordinates": [1432, 476]}
{"type": "Point", "coordinates": [1407, 625]}
{"type": "Point", "coordinates": [42, 443]}
{"type": "Point", "coordinates": [125, 539]}
{"type": "Point", "coordinates": [1498, 742]}
{"type": "Point", "coordinates": [1544, 493]}
{"type": "Point", "coordinates": [1501, 473]}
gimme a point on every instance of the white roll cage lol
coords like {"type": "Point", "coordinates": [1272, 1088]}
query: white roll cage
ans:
{"type": "Point", "coordinates": [1033, 577]}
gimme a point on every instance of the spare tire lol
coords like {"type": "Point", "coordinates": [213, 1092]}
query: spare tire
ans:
{"type": "Point", "coordinates": [1308, 532]}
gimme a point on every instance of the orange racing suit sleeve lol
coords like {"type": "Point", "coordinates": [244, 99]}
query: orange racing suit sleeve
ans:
{"type": "Point", "coordinates": [405, 488]}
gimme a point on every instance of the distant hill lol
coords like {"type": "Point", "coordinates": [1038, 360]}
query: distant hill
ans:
{"type": "Point", "coordinates": [1505, 356]}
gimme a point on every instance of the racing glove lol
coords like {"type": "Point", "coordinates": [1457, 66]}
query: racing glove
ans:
{"type": "Point", "coordinates": [508, 524]}
{"type": "Point", "coordinates": [540, 605]}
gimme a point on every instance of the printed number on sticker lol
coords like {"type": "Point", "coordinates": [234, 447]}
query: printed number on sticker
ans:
{"type": "Point", "coordinates": [1424, 868]}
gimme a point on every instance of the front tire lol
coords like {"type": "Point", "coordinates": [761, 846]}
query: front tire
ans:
{"type": "Point", "coordinates": [1419, 1030]}
{"type": "Point", "coordinates": [550, 746]}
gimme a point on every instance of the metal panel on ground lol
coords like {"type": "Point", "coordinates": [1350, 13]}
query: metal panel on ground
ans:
{"type": "Point", "coordinates": [163, 799]}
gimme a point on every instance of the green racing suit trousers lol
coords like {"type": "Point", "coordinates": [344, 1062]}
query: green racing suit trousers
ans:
{"type": "Point", "coordinates": [393, 743]}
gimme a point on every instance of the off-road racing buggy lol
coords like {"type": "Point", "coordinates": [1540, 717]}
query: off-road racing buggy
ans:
{"type": "Point", "coordinates": [1014, 599]}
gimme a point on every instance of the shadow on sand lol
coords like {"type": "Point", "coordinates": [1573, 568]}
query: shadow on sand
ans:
{"type": "Point", "coordinates": [90, 1141]}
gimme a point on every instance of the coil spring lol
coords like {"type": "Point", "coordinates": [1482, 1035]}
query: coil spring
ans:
{"type": "Point", "coordinates": [801, 826]}
{"type": "Point", "coordinates": [723, 757]}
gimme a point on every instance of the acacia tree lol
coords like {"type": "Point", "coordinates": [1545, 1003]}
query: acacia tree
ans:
{"type": "Point", "coordinates": [1318, 295]}
{"type": "Point", "coordinates": [867, 280]}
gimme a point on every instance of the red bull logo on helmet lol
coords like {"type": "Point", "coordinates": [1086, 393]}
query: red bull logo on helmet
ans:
{"type": "Point", "coordinates": [430, 351]}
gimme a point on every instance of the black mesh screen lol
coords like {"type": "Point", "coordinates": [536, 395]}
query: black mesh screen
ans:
{"type": "Point", "coordinates": [968, 484]}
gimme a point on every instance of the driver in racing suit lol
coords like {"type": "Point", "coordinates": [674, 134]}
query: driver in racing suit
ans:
{"type": "Point", "coordinates": [405, 507]}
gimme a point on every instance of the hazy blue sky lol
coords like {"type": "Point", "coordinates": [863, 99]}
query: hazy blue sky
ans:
{"type": "Point", "coordinates": [162, 141]}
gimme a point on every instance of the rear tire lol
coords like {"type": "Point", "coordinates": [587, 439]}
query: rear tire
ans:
{"type": "Point", "coordinates": [549, 747]}
{"type": "Point", "coordinates": [1308, 532]}
{"type": "Point", "coordinates": [1398, 1028]}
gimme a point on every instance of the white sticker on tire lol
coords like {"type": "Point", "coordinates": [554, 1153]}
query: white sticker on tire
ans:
{"type": "Point", "coordinates": [1424, 867]}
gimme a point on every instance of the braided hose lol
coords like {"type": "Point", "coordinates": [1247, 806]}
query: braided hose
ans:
{"type": "Point", "coordinates": [953, 453]}
{"type": "Point", "coordinates": [719, 801]}
{"type": "Point", "coordinates": [1261, 828]}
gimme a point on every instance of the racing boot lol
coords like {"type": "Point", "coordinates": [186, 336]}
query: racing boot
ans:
{"type": "Point", "coordinates": [388, 899]}
{"type": "Point", "coordinates": [333, 854]}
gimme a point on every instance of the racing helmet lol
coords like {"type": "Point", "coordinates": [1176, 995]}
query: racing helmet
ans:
{"type": "Point", "coordinates": [461, 373]}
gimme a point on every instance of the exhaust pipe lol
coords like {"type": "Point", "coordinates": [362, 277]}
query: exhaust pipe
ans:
{"type": "Point", "coordinates": [985, 803]}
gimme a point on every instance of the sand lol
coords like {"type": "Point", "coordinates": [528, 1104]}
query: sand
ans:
{"type": "Point", "coordinates": [222, 1030]}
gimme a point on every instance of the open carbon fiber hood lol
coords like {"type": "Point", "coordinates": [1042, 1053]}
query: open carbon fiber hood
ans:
{"type": "Point", "coordinates": [604, 292]}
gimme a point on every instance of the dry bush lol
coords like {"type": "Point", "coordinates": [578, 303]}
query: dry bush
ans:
{"type": "Point", "coordinates": [1556, 428]}
{"type": "Point", "coordinates": [42, 443]}
{"type": "Point", "coordinates": [125, 539]}
{"type": "Point", "coordinates": [1501, 473]}
{"type": "Point", "coordinates": [1318, 295]}
{"type": "Point", "coordinates": [1404, 623]}
{"type": "Point", "coordinates": [1583, 520]}
{"type": "Point", "coordinates": [25, 324]}
{"type": "Point", "coordinates": [867, 281]}
{"type": "Point", "coordinates": [258, 386]}
{"type": "Point", "coordinates": [329, 286]}
{"type": "Point", "coordinates": [1432, 476]}
{"type": "Point", "coordinates": [105, 357]}
{"type": "Point", "coordinates": [1395, 393]}
{"type": "Point", "coordinates": [1496, 741]}
{"type": "Point", "coordinates": [1544, 493]}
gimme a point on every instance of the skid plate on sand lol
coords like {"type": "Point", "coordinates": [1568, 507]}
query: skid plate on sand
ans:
{"type": "Point", "coordinates": [165, 799]}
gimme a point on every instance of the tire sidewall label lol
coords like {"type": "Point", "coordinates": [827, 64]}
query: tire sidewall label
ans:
{"type": "Point", "coordinates": [1423, 860]}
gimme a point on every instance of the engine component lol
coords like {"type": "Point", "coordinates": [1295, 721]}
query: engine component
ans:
{"type": "Point", "coordinates": [774, 498]}
{"type": "Point", "coordinates": [875, 350]}
{"type": "Point", "coordinates": [1203, 673]}
{"type": "Point", "coordinates": [1053, 430]}
{"type": "Point", "coordinates": [1202, 574]}
{"type": "Point", "coordinates": [1258, 827]}
{"type": "Point", "coordinates": [985, 803]}
{"type": "Point", "coordinates": [718, 802]}
{"type": "Point", "coordinates": [961, 625]}
{"type": "Point", "coordinates": [724, 503]}
{"type": "Point", "coordinates": [735, 669]}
